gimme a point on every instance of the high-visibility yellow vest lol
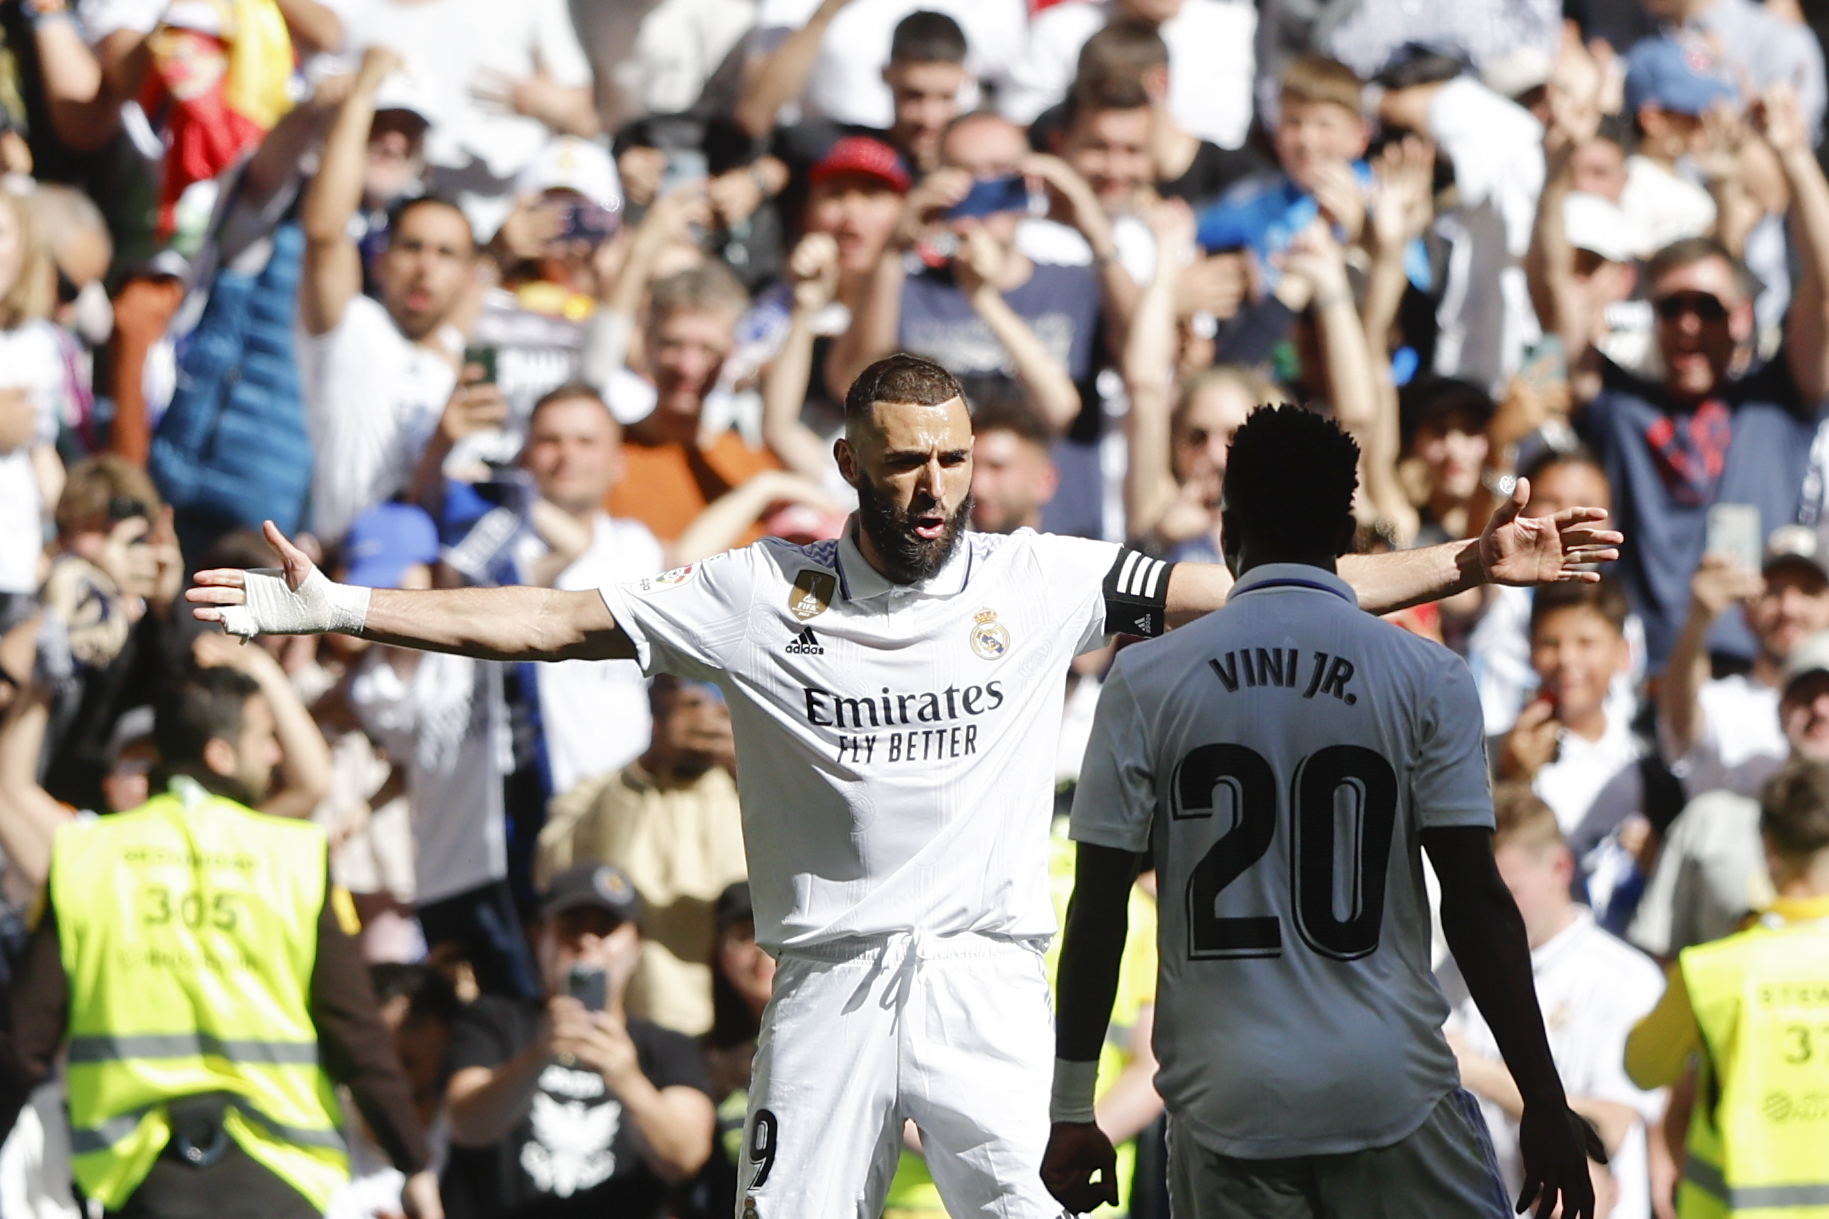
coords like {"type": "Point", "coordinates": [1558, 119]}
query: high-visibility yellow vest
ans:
{"type": "Point", "coordinates": [189, 929]}
{"type": "Point", "coordinates": [1759, 1134]}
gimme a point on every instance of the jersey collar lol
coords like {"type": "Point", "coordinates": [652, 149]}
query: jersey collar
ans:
{"type": "Point", "coordinates": [1800, 909]}
{"type": "Point", "coordinates": [862, 582]}
{"type": "Point", "coordinates": [1295, 575]}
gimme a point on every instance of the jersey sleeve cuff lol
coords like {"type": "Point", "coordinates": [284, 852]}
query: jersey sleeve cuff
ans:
{"type": "Point", "coordinates": [1116, 838]}
{"type": "Point", "coordinates": [617, 602]}
{"type": "Point", "coordinates": [1454, 818]}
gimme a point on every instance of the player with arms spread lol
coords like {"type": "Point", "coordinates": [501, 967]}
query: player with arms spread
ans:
{"type": "Point", "coordinates": [896, 696]}
{"type": "Point", "coordinates": [1285, 759]}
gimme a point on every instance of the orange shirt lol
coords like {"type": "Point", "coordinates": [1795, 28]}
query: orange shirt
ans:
{"type": "Point", "coordinates": [667, 485]}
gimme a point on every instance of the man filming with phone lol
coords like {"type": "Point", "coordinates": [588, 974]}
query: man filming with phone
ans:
{"type": "Point", "coordinates": [572, 1107]}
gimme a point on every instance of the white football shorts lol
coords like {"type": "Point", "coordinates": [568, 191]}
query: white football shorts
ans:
{"type": "Point", "coordinates": [954, 1033]}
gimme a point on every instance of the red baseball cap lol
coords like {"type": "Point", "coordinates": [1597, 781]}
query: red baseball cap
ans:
{"type": "Point", "coordinates": [859, 154]}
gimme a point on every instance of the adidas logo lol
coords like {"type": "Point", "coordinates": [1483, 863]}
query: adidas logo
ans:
{"type": "Point", "coordinates": [806, 644]}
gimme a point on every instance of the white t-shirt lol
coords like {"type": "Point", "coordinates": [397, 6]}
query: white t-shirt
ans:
{"type": "Point", "coordinates": [1592, 781]}
{"type": "Point", "coordinates": [895, 744]}
{"type": "Point", "coordinates": [448, 726]}
{"type": "Point", "coordinates": [1592, 988]}
{"type": "Point", "coordinates": [451, 47]}
{"type": "Point", "coordinates": [1296, 1012]}
{"type": "Point", "coordinates": [1662, 206]}
{"type": "Point", "coordinates": [595, 716]}
{"type": "Point", "coordinates": [1741, 742]}
{"type": "Point", "coordinates": [372, 400]}
{"type": "Point", "coordinates": [30, 358]}
{"type": "Point", "coordinates": [1211, 64]}
{"type": "Point", "coordinates": [846, 83]}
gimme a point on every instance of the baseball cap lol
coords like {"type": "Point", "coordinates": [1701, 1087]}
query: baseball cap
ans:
{"type": "Point", "coordinates": [592, 886]}
{"type": "Point", "coordinates": [1675, 74]}
{"type": "Point", "coordinates": [1601, 226]}
{"type": "Point", "coordinates": [1810, 656]}
{"type": "Point", "coordinates": [399, 91]}
{"type": "Point", "coordinates": [1795, 544]}
{"type": "Point", "coordinates": [1517, 72]}
{"type": "Point", "coordinates": [568, 162]}
{"type": "Point", "coordinates": [859, 154]}
{"type": "Point", "coordinates": [386, 540]}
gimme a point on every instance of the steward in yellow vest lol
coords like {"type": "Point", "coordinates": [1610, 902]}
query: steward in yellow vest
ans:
{"type": "Point", "coordinates": [206, 994]}
{"type": "Point", "coordinates": [1755, 1008]}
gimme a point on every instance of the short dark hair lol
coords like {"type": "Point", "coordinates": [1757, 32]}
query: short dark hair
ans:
{"type": "Point", "coordinates": [1430, 398]}
{"type": "Point", "coordinates": [1096, 94]}
{"type": "Point", "coordinates": [207, 705]}
{"type": "Point", "coordinates": [900, 378]}
{"type": "Point", "coordinates": [1126, 47]}
{"type": "Point", "coordinates": [427, 992]}
{"type": "Point", "coordinates": [1607, 598]}
{"type": "Point", "coordinates": [1290, 478]}
{"type": "Point", "coordinates": [1008, 411]}
{"type": "Point", "coordinates": [927, 37]}
{"type": "Point", "coordinates": [1688, 251]}
{"type": "Point", "coordinates": [1794, 809]}
{"type": "Point", "coordinates": [572, 391]}
{"type": "Point", "coordinates": [396, 215]}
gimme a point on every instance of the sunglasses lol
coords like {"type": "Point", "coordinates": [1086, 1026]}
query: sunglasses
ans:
{"type": "Point", "coordinates": [1707, 308]}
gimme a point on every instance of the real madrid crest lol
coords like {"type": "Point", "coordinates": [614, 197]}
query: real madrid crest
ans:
{"type": "Point", "coordinates": [749, 1208]}
{"type": "Point", "coordinates": [989, 638]}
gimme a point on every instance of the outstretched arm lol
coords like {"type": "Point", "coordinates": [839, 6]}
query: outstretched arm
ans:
{"type": "Point", "coordinates": [1486, 934]}
{"type": "Point", "coordinates": [509, 623]}
{"type": "Point", "coordinates": [1522, 550]}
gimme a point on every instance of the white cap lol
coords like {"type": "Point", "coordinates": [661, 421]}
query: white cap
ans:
{"type": "Point", "coordinates": [400, 91]}
{"type": "Point", "coordinates": [203, 16]}
{"type": "Point", "coordinates": [1810, 656]}
{"type": "Point", "coordinates": [1597, 224]}
{"type": "Point", "coordinates": [570, 163]}
{"type": "Point", "coordinates": [1517, 72]}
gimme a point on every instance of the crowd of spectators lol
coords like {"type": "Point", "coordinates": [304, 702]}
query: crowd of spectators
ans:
{"type": "Point", "coordinates": [475, 292]}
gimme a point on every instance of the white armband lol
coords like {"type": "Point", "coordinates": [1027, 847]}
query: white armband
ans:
{"type": "Point", "coordinates": [319, 607]}
{"type": "Point", "coordinates": [1074, 1085]}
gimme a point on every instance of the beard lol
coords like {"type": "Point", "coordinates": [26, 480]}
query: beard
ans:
{"type": "Point", "coordinates": [907, 557]}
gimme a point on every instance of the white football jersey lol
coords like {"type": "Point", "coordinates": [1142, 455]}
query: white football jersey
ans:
{"type": "Point", "coordinates": [1280, 756]}
{"type": "Point", "coordinates": [895, 744]}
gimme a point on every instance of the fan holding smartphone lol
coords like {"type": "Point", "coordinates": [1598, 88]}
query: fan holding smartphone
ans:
{"type": "Point", "coordinates": [575, 1099]}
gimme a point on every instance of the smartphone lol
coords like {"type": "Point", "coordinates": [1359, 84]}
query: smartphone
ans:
{"type": "Point", "coordinates": [990, 196]}
{"type": "Point", "coordinates": [483, 356]}
{"type": "Point", "coordinates": [684, 165]}
{"type": "Point", "coordinates": [588, 222]}
{"type": "Point", "coordinates": [590, 986]}
{"type": "Point", "coordinates": [1733, 530]}
{"type": "Point", "coordinates": [1545, 363]}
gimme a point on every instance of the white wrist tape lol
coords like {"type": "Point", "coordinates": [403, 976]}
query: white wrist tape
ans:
{"type": "Point", "coordinates": [1074, 1084]}
{"type": "Point", "coordinates": [318, 607]}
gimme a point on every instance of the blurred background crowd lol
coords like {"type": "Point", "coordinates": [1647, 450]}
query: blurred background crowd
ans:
{"type": "Point", "coordinates": [479, 292]}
